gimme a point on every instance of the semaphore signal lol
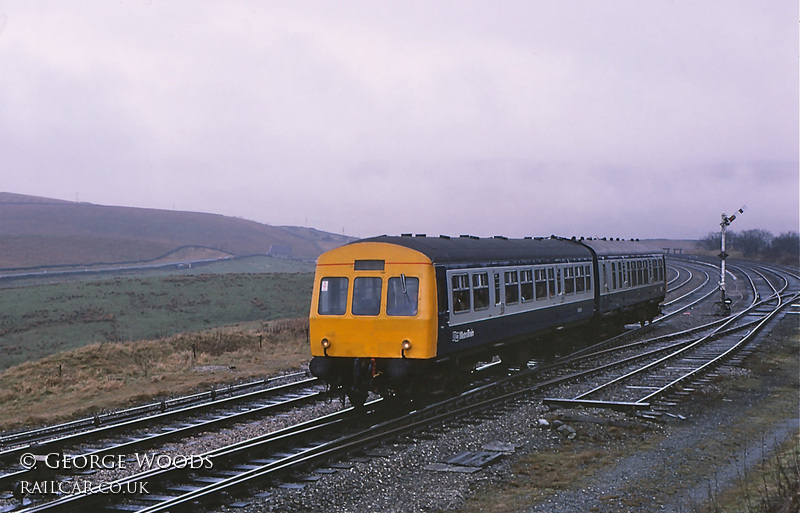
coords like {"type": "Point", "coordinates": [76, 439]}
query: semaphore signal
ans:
{"type": "Point", "coordinates": [725, 303]}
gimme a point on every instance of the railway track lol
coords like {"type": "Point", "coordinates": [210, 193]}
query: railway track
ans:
{"type": "Point", "coordinates": [677, 368]}
{"type": "Point", "coordinates": [232, 470]}
{"type": "Point", "coordinates": [118, 417]}
{"type": "Point", "coordinates": [74, 451]}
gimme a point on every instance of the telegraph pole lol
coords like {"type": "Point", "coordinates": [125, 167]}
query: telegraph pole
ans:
{"type": "Point", "coordinates": [725, 303]}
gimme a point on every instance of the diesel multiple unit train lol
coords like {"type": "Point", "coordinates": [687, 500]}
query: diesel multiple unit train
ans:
{"type": "Point", "coordinates": [390, 314]}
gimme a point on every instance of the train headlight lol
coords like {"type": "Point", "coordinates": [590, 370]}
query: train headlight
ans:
{"type": "Point", "coordinates": [325, 345]}
{"type": "Point", "coordinates": [406, 346]}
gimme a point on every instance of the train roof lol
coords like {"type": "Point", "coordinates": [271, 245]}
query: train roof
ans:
{"type": "Point", "coordinates": [497, 249]}
{"type": "Point", "coordinates": [608, 248]}
{"type": "Point", "coordinates": [466, 249]}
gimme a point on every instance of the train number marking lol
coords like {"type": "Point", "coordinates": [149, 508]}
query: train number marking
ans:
{"type": "Point", "coordinates": [461, 335]}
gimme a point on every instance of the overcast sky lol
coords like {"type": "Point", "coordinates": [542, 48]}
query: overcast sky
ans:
{"type": "Point", "coordinates": [597, 118]}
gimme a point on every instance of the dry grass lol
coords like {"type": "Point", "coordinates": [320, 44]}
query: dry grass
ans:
{"type": "Point", "coordinates": [773, 486]}
{"type": "Point", "coordinates": [543, 473]}
{"type": "Point", "coordinates": [106, 376]}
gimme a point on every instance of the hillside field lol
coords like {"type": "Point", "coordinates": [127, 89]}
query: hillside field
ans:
{"type": "Point", "coordinates": [41, 320]}
{"type": "Point", "coordinates": [42, 233]}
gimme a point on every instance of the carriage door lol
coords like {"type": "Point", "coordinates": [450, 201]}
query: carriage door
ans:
{"type": "Point", "coordinates": [499, 294]}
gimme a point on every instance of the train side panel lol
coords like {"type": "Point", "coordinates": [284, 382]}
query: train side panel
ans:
{"type": "Point", "coordinates": [500, 305]}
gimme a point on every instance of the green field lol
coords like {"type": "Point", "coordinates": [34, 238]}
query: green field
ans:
{"type": "Point", "coordinates": [39, 320]}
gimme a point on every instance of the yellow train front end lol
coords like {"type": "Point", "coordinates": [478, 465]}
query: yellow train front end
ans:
{"type": "Point", "coordinates": [373, 317]}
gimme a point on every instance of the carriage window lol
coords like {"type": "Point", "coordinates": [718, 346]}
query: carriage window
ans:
{"type": "Point", "coordinates": [551, 282]}
{"type": "Point", "coordinates": [403, 296]}
{"type": "Point", "coordinates": [569, 280]}
{"type": "Point", "coordinates": [332, 296]}
{"type": "Point", "coordinates": [541, 283]}
{"type": "Point", "coordinates": [460, 293]}
{"type": "Point", "coordinates": [512, 287]}
{"type": "Point", "coordinates": [587, 271]}
{"type": "Point", "coordinates": [526, 285]}
{"type": "Point", "coordinates": [480, 290]}
{"type": "Point", "coordinates": [367, 296]}
{"type": "Point", "coordinates": [613, 275]}
{"type": "Point", "coordinates": [580, 283]}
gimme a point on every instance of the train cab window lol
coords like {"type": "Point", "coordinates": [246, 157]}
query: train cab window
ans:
{"type": "Point", "coordinates": [480, 290]}
{"type": "Point", "coordinates": [332, 296]}
{"type": "Point", "coordinates": [587, 276]}
{"type": "Point", "coordinates": [580, 282]}
{"type": "Point", "coordinates": [367, 296]}
{"type": "Point", "coordinates": [402, 296]}
{"type": "Point", "coordinates": [569, 280]}
{"type": "Point", "coordinates": [526, 285]}
{"type": "Point", "coordinates": [460, 293]}
{"type": "Point", "coordinates": [512, 287]}
{"type": "Point", "coordinates": [540, 276]}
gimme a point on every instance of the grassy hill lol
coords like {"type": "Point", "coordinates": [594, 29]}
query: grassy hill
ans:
{"type": "Point", "coordinates": [39, 232]}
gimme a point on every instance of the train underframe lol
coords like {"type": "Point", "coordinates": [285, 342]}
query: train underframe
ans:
{"type": "Point", "coordinates": [357, 377]}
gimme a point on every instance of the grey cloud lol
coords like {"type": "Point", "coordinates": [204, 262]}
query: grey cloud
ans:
{"type": "Point", "coordinates": [522, 118]}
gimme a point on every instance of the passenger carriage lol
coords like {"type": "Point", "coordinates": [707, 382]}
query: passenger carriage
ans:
{"type": "Point", "coordinates": [387, 310]}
